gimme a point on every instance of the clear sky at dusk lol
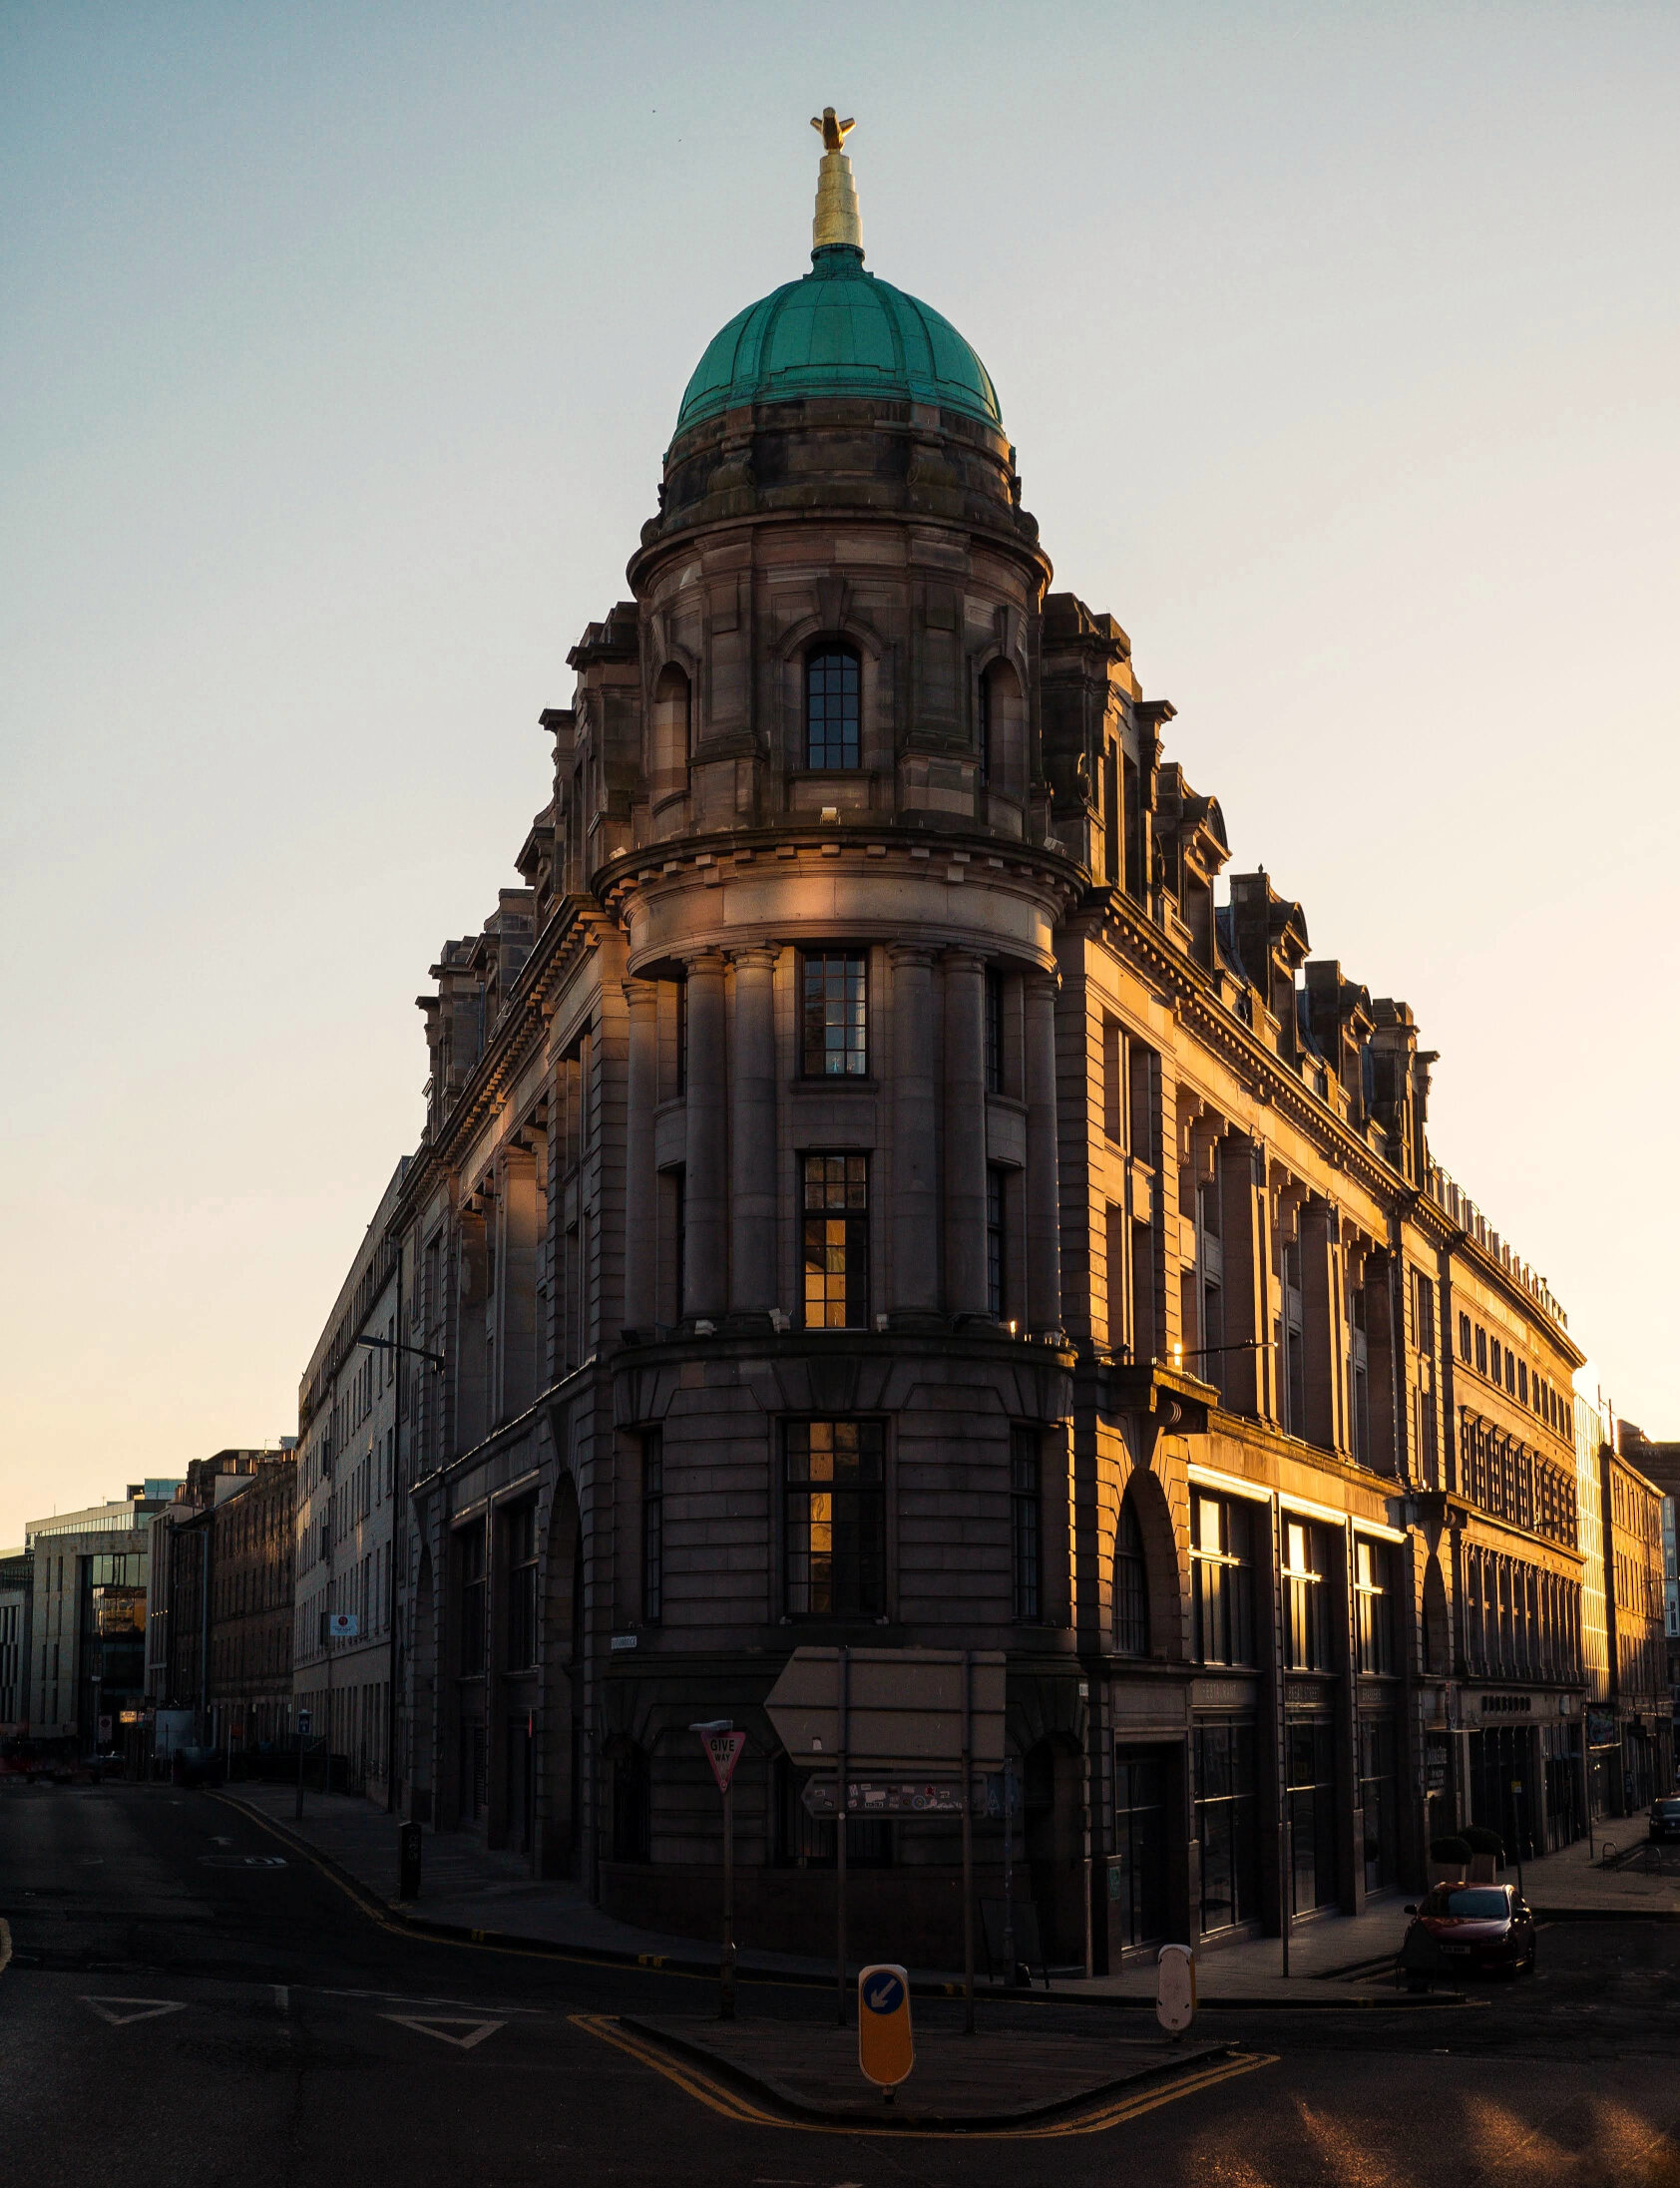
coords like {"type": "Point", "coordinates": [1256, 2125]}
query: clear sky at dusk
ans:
{"type": "Point", "coordinates": [340, 346]}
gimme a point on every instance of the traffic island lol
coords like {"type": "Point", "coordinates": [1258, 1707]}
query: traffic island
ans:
{"type": "Point", "coordinates": [997, 2078]}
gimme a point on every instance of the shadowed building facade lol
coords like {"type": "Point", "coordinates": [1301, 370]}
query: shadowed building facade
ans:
{"type": "Point", "coordinates": [882, 1185]}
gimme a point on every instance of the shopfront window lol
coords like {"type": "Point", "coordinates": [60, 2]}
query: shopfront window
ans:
{"type": "Point", "coordinates": [1379, 1798]}
{"type": "Point", "coordinates": [1227, 1822]}
{"type": "Point", "coordinates": [1138, 1881]}
{"type": "Point", "coordinates": [1311, 1749]}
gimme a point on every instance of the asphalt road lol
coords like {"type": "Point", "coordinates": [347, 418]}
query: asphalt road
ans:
{"type": "Point", "coordinates": [189, 2003]}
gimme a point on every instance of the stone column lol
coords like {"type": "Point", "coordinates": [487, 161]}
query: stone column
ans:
{"type": "Point", "coordinates": [915, 1200]}
{"type": "Point", "coordinates": [752, 1156]}
{"type": "Point", "coordinates": [642, 1085]}
{"type": "Point", "coordinates": [706, 1240]}
{"type": "Point", "coordinates": [1043, 1210]}
{"type": "Point", "coordinates": [964, 1131]}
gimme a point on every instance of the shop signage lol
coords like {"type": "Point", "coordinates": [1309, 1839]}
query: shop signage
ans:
{"type": "Point", "coordinates": [1601, 1728]}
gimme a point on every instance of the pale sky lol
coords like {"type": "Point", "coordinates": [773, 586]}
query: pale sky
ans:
{"type": "Point", "coordinates": [339, 348]}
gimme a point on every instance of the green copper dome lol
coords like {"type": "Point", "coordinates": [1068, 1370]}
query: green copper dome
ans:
{"type": "Point", "coordinates": [839, 332]}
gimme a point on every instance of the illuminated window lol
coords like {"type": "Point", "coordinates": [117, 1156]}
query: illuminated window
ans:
{"type": "Point", "coordinates": [835, 1240]}
{"type": "Point", "coordinates": [835, 1539]}
{"type": "Point", "coordinates": [1221, 1580]}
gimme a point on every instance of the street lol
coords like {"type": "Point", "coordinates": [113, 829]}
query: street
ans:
{"type": "Point", "coordinates": [190, 2001]}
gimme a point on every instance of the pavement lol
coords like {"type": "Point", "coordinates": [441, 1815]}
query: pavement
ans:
{"type": "Point", "coordinates": [1334, 1960]}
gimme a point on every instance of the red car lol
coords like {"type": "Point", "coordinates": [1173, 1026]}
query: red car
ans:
{"type": "Point", "coordinates": [1460, 1929]}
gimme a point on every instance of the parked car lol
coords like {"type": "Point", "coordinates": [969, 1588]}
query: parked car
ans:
{"type": "Point", "coordinates": [1459, 1927]}
{"type": "Point", "coordinates": [1666, 1816]}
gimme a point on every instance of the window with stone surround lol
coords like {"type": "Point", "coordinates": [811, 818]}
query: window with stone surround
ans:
{"type": "Point", "coordinates": [835, 998]}
{"type": "Point", "coordinates": [1221, 1580]}
{"type": "Point", "coordinates": [834, 1518]}
{"type": "Point", "coordinates": [1024, 1528]}
{"type": "Point", "coordinates": [833, 707]}
{"type": "Point", "coordinates": [1131, 1585]}
{"type": "Point", "coordinates": [835, 1240]}
{"type": "Point", "coordinates": [1306, 1567]}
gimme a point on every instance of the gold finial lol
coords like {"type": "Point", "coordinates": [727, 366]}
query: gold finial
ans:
{"type": "Point", "coordinates": [837, 220]}
{"type": "Point", "coordinates": [832, 133]}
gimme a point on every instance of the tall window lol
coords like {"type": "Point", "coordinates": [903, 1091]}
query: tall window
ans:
{"type": "Point", "coordinates": [982, 727]}
{"type": "Point", "coordinates": [1373, 1599]}
{"type": "Point", "coordinates": [835, 1543]}
{"type": "Point", "coordinates": [833, 689]}
{"type": "Point", "coordinates": [836, 1006]}
{"type": "Point", "coordinates": [1131, 1585]}
{"type": "Point", "coordinates": [836, 1241]}
{"type": "Point", "coordinates": [995, 1270]}
{"type": "Point", "coordinates": [1359, 1376]}
{"type": "Point", "coordinates": [1306, 1562]}
{"type": "Point", "coordinates": [652, 1526]}
{"type": "Point", "coordinates": [1294, 1347]}
{"type": "Point", "coordinates": [681, 1059]}
{"type": "Point", "coordinates": [470, 1551]}
{"type": "Point", "coordinates": [993, 1033]}
{"type": "Point", "coordinates": [521, 1586]}
{"type": "Point", "coordinates": [1023, 1523]}
{"type": "Point", "coordinates": [1221, 1580]}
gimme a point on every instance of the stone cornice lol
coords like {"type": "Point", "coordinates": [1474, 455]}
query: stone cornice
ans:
{"type": "Point", "coordinates": [575, 927]}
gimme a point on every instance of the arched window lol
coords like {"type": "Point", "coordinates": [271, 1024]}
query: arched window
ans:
{"type": "Point", "coordinates": [668, 753]}
{"type": "Point", "coordinates": [1131, 1585]}
{"type": "Point", "coordinates": [833, 709]}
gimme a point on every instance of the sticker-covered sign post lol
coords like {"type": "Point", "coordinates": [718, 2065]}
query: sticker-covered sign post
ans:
{"type": "Point", "coordinates": [722, 1745]}
{"type": "Point", "coordinates": [886, 2047]}
{"type": "Point", "coordinates": [1175, 1989]}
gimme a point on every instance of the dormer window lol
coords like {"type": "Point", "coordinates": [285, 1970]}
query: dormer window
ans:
{"type": "Point", "coordinates": [833, 710]}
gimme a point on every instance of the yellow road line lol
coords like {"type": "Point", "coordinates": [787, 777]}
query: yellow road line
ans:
{"type": "Point", "coordinates": [730, 2103]}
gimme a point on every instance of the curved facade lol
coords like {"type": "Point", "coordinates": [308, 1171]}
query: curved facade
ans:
{"type": "Point", "coordinates": [872, 1193]}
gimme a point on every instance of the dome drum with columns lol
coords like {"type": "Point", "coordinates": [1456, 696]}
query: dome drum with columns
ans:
{"type": "Point", "coordinates": [872, 1194]}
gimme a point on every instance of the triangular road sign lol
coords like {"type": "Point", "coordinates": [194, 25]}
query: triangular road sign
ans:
{"type": "Point", "coordinates": [109, 2009]}
{"type": "Point", "coordinates": [444, 2025]}
{"type": "Point", "coordinates": [723, 1752]}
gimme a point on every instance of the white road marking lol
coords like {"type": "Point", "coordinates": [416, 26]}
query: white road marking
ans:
{"type": "Point", "coordinates": [439, 2025]}
{"type": "Point", "coordinates": [144, 2009]}
{"type": "Point", "coordinates": [396, 1997]}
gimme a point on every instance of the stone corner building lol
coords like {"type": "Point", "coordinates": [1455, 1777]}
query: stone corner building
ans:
{"type": "Point", "coordinates": [872, 1192]}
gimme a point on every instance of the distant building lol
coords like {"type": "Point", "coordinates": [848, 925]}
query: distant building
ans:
{"type": "Point", "coordinates": [222, 1559]}
{"type": "Point", "coordinates": [344, 1636]}
{"type": "Point", "coordinates": [87, 1669]}
{"type": "Point", "coordinates": [1637, 1617]}
{"type": "Point", "coordinates": [17, 1588]}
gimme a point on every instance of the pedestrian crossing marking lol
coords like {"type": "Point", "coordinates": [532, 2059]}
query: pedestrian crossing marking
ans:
{"type": "Point", "coordinates": [138, 2009]}
{"type": "Point", "coordinates": [442, 2027]}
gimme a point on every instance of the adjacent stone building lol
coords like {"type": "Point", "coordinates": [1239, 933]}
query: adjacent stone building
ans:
{"type": "Point", "coordinates": [219, 1614]}
{"type": "Point", "coordinates": [346, 1513]}
{"type": "Point", "coordinates": [884, 1184]}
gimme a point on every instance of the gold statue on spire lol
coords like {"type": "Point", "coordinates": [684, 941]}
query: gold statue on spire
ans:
{"type": "Point", "coordinates": [832, 133]}
{"type": "Point", "coordinates": [837, 220]}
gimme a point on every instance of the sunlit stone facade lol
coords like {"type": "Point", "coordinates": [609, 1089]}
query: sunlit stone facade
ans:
{"type": "Point", "coordinates": [882, 1185]}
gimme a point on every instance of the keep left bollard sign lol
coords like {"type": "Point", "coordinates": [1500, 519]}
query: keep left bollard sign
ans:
{"type": "Point", "coordinates": [886, 2047]}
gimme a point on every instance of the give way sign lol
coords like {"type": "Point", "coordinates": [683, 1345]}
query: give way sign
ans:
{"type": "Point", "coordinates": [723, 1752]}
